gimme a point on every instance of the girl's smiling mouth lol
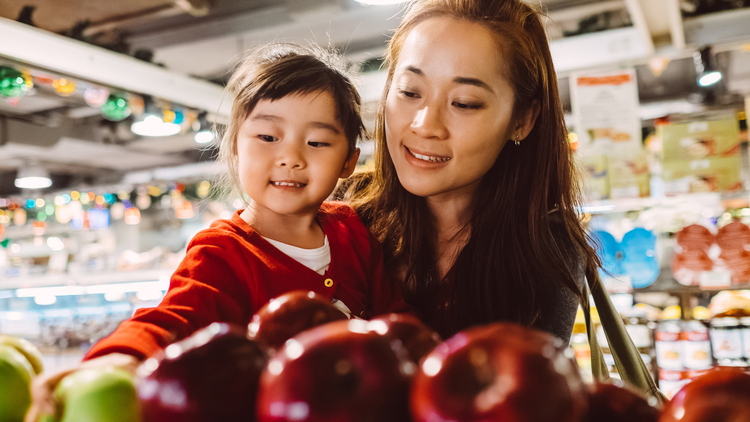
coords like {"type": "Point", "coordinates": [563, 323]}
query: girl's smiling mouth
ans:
{"type": "Point", "coordinates": [287, 184]}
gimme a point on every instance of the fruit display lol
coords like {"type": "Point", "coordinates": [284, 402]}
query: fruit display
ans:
{"type": "Point", "coordinates": [209, 376]}
{"type": "Point", "coordinates": [721, 395]}
{"type": "Point", "coordinates": [342, 371]}
{"type": "Point", "coordinates": [614, 402]}
{"type": "Point", "coordinates": [15, 378]}
{"type": "Point", "coordinates": [96, 395]}
{"type": "Point", "coordinates": [417, 338]}
{"type": "Point", "coordinates": [499, 372]}
{"type": "Point", "coordinates": [27, 349]}
{"type": "Point", "coordinates": [20, 362]}
{"type": "Point", "coordinates": [289, 314]}
{"type": "Point", "coordinates": [392, 368]}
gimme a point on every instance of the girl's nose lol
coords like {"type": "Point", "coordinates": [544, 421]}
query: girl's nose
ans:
{"type": "Point", "coordinates": [291, 156]}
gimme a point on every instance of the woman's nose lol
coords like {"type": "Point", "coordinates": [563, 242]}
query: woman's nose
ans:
{"type": "Point", "coordinates": [428, 123]}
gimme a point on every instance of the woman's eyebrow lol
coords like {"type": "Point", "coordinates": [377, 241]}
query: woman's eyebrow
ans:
{"type": "Point", "coordinates": [458, 79]}
{"type": "Point", "coordinates": [414, 70]}
{"type": "Point", "coordinates": [473, 82]}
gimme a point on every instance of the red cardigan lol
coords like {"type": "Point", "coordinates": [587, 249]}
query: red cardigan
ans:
{"type": "Point", "coordinates": [230, 271]}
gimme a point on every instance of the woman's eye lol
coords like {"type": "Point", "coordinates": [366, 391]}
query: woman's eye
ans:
{"type": "Point", "coordinates": [408, 94]}
{"type": "Point", "coordinates": [267, 138]}
{"type": "Point", "coordinates": [316, 144]}
{"type": "Point", "coordinates": [467, 106]}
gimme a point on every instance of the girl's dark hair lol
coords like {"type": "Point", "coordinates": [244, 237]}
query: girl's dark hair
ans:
{"type": "Point", "coordinates": [276, 70]}
{"type": "Point", "coordinates": [511, 244]}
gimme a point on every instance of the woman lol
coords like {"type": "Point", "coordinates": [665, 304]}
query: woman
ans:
{"type": "Point", "coordinates": [474, 193]}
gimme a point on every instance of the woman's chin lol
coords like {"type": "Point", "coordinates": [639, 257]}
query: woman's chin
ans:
{"type": "Point", "coordinates": [423, 188]}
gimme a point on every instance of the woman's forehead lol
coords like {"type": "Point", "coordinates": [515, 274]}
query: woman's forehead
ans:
{"type": "Point", "coordinates": [450, 47]}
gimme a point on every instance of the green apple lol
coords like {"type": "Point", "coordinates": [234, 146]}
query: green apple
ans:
{"type": "Point", "coordinates": [97, 395]}
{"type": "Point", "coordinates": [15, 380]}
{"type": "Point", "coordinates": [32, 354]}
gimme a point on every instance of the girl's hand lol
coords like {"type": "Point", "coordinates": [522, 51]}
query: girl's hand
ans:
{"type": "Point", "coordinates": [43, 386]}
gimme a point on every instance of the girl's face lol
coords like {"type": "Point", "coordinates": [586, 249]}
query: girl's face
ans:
{"type": "Point", "coordinates": [448, 109]}
{"type": "Point", "coordinates": [291, 153]}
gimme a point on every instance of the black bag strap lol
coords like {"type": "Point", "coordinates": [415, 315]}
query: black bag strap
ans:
{"type": "Point", "coordinates": [628, 360]}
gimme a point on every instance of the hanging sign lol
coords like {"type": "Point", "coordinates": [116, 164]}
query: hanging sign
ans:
{"type": "Point", "coordinates": [605, 110]}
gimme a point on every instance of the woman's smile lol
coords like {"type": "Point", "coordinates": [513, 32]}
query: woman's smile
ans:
{"type": "Point", "coordinates": [424, 157]}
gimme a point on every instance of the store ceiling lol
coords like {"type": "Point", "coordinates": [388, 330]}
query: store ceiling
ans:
{"type": "Point", "coordinates": [205, 38]}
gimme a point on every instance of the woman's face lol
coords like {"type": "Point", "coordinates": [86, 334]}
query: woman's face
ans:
{"type": "Point", "coordinates": [448, 110]}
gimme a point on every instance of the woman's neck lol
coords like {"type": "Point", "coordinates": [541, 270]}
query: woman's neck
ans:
{"type": "Point", "coordinates": [451, 217]}
{"type": "Point", "coordinates": [302, 231]}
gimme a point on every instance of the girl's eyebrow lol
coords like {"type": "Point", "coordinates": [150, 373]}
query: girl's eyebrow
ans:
{"type": "Point", "coordinates": [326, 126]}
{"type": "Point", "coordinates": [458, 79]}
{"type": "Point", "coordinates": [314, 125]}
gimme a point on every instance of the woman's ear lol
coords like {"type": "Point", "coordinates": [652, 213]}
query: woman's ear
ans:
{"type": "Point", "coordinates": [350, 164]}
{"type": "Point", "coordinates": [527, 121]}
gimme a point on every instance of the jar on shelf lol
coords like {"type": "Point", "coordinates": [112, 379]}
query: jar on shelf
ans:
{"type": "Point", "coordinates": [668, 345]}
{"type": "Point", "coordinates": [745, 330]}
{"type": "Point", "coordinates": [726, 341]}
{"type": "Point", "coordinates": [696, 345]}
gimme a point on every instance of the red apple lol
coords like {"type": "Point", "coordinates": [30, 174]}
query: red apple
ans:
{"type": "Point", "coordinates": [721, 395]}
{"type": "Point", "coordinates": [209, 376]}
{"type": "Point", "coordinates": [339, 372]}
{"type": "Point", "coordinates": [417, 338]}
{"type": "Point", "coordinates": [613, 402]}
{"type": "Point", "coordinates": [499, 372]}
{"type": "Point", "coordinates": [289, 314]}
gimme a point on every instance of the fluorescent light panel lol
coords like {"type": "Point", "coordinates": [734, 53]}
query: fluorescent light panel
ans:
{"type": "Point", "coordinates": [92, 290]}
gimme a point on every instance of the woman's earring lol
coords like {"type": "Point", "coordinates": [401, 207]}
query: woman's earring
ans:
{"type": "Point", "coordinates": [518, 140]}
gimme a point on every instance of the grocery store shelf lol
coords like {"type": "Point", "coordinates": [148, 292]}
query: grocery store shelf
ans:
{"type": "Point", "coordinates": [634, 204]}
{"type": "Point", "coordinates": [85, 279]}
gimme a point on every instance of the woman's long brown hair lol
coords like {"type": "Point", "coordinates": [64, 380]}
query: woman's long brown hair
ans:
{"type": "Point", "coordinates": [511, 244]}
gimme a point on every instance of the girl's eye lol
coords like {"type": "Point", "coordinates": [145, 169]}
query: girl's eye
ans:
{"type": "Point", "coordinates": [467, 106]}
{"type": "Point", "coordinates": [316, 144]}
{"type": "Point", "coordinates": [267, 138]}
{"type": "Point", "coordinates": [408, 94]}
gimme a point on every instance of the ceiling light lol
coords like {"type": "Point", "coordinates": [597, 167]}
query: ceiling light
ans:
{"type": "Point", "coordinates": [709, 78]}
{"type": "Point", "coordinates": [704, 68]}
{"type": "Point", "coordinates": [151, 125]}
{"type": "Point", "coordinates": [33, 177]}
{"type": "Point", "coordinates": [203, 134]}
{"type": "Point", "coordinates": [204, 137]}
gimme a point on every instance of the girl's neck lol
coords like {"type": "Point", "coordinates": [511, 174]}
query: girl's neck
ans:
{"type": "Point", "coordinates": [302, 231]}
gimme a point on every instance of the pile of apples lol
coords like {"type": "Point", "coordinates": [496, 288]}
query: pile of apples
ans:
{"type": "Point", "coordinates": [20, 362]}
{"type": "Point", "coordinates": [300, 359]}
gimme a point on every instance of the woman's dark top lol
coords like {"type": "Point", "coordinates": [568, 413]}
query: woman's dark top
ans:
{"type": "Point", "coordinates": [558, 304]}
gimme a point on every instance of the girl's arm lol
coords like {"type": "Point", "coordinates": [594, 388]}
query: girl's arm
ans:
{"type": "Point", "coordinates": [208, 286]}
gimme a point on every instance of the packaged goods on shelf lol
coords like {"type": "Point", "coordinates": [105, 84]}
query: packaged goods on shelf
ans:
{"type": "Point", "coordinates": [712, 261]}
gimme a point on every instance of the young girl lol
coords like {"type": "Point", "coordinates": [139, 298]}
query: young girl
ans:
{"type": "Point", "coordinates": [474, 194]}
{"type": "Point", "coordinates": [292, 134]}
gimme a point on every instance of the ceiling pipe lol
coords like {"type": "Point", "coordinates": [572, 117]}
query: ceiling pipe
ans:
{"type": "Point", "coordinates": [676, 29]}
{"type": "Point", "coordinates": [639, 22]}
{"type": "Point", "coordinates": [66, 56]}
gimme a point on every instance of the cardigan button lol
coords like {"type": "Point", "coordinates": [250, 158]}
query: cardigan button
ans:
{"type": "Point", "coordinates": [328, 282]}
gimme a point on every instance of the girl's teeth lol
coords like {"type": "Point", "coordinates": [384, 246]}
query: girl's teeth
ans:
{"type": "Point", "coordinates": [288, 184]}
{"type": "Point", "coordinates": [429, 158]}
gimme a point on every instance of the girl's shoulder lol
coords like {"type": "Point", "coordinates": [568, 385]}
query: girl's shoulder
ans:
{"type": "Point", "coordinates": [234, 228]}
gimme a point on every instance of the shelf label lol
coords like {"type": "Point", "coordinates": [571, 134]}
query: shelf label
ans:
{"type": "Point", "coordinates": [715, 279]}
